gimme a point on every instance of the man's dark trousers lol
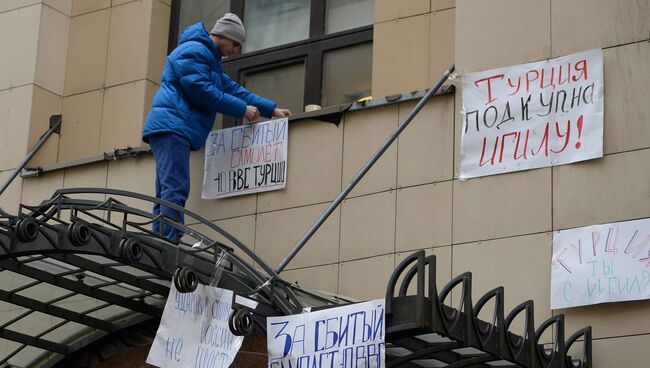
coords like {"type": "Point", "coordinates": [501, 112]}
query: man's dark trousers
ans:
{"type": "Point", "coordinates": [172, 155]}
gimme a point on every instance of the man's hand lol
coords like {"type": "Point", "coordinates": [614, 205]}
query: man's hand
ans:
{"type": "Point", "coordinates": [281, 113]}
{"type": "Point", "coordinates": [252, 113]}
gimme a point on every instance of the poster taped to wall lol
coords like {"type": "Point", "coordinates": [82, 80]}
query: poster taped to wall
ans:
{"type": "Point", "coordinates": [246, 159]}
{"type": "Point", "coordinates": [194, 330]}
{"type": "Point", "coordinates": [601, 263]}
{"type": "Point", "coordinates": [532, 115]}
{"type": "Point", "coordinates": [346, 337]}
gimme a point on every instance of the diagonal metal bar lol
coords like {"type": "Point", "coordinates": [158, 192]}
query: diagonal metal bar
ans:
{"type": "Point", "coordinates": [33, 341]}
{"type": "Point", "coordinates": [80, 287]}
{"type": "Point", "coordinates": [111, 272]}
{"type": "Point", "coordinates": [362, 172]}
{"type": "Point", "coordinates": [54, 310]}
{"type": "Point", "coordinates": [55, 127]}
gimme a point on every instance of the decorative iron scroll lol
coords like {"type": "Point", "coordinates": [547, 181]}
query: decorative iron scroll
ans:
{"type": "Point", "coordinates": [424, 325]}
{"type": "Point", "coordinates": [54, 243]}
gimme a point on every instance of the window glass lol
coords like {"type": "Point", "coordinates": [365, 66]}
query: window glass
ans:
{"type": "Point", "coordinates": [347, 74]}
{"type": "Point", "coordinates": [206, 11]}
{"type": "Point", "coordinates": [284, 85]}
{"type": "Point", "coordinates": [348, 14]}
{"type": "Point", "coordinates": [275, 22]}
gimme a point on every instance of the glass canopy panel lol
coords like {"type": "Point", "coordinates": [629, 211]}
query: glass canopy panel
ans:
{"type": "Point", "coordinates": [156, 300]}
{"type": "Point", "coordinates": [50, 265]}
{"type": "Point", "coordinates": [7, 347]}
{"type": "Point", "coordinates": [432, 338]}
{"type": "Point", "coordinates": [5, 312]}
{"type": "Point", "coordinates": [33, 323]}
{"type": "Point", "coordinates": [501, 363]}
{"type": "Point", "coordinates": [468, 351]}
{"type": "Point", "coordinates": [429, 363]}
{"type": "Point", "coordinates": [16, 280]}
{"type": "Point", "coordinates": [124, 290]}
{"type": "Point", "coordinates": [135, 272]}
{"type": "Point", "coordinates": [63, 334]}
{"type": "Point", "coordinates": [44, 292]}
{"type": "Point", "coordinates": [397, 351]}
{"type": "Point", "coordinates": [79, 303]}
{"type": "Point", "coordinates": [96, 258]}
{"type": "Point", "coordinates": [27, 356]}
{"type": "Point", "coordinates": [111, 312]}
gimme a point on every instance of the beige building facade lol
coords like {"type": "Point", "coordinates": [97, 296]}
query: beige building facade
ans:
{"type": "Point", "coordinates": [98, 63]}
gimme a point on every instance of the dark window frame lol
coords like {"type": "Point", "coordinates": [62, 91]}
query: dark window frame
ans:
{"type": "Point", "coordinates": [311, 50]}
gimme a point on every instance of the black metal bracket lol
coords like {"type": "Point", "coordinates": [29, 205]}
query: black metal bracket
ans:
{"type": "Point", "coordinates": [55, 123]}
{"type": "Point", "coordinates": [120, 153]}
{"type": "Point", "coordinates": [55, 127]}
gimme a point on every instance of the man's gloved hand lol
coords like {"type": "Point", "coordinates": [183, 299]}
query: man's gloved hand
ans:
{"type": "Point", "coordinates": [252, 113]}
{"type": "Point", "coordinates": [281, 113]}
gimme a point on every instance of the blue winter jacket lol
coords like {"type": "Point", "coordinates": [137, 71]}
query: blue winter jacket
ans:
{"type": "Point", "coordinates": [194, 88]}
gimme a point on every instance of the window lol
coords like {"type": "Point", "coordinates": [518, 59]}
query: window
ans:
{"type": "Point", "coordinates": [347, 74]}
{"type": "Point", "coordinates": [285, 82]}
{"type": "Point", "coordinates": [297, 52]}
{"type": "Point", "coordinates": [206, 11]}
{"type": "Point", "coordinates": [346, 14]}
{"type": "Point", "coordinates": [275, 22]}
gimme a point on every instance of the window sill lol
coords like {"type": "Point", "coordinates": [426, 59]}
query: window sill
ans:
{"type": "Point", "coordinates": [333, 114]}
{"type": "Point", "coordinates": [330, 114]}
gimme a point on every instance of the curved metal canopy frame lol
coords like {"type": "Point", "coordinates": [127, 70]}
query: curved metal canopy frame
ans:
{"type": "Point", "coordinates": [101, 249]}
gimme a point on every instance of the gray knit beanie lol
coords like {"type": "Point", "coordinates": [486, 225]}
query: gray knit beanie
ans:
{"type": "Point", "coordinates": [230, 26]}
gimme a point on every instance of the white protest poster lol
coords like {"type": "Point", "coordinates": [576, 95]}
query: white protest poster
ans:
{"type": "Point", "coordinates": [344, 337]}
{"type": "Point", "coordinates": [246, 159]}
{"type": "Point", "coordinates": [601, 263]}
{"type": "Point", "coordinates": [194, 331]}
{"type": "Point", "coordinates": [532, 115]}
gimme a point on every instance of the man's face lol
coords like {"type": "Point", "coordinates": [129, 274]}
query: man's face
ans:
{"type": "Point", "coordinates": [227, 46]}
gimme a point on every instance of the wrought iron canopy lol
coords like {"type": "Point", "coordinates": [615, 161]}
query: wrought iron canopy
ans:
{"type": "Point", "coordinates": [86, 261]}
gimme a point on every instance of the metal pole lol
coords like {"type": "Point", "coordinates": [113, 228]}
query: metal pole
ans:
{"type": "Point", "coordinates": [348, 188]}
{"type": "Point", "coordinates": [55, 125]}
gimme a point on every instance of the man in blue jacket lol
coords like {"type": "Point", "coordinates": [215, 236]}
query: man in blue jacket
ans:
{"type": "Point", "coordinates": [194, 89]}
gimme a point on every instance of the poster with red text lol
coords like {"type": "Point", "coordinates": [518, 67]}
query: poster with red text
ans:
{"type": "Point", "coordinates": [532, 115]}
{"type": "Point", "coordinates": [246, 159]}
